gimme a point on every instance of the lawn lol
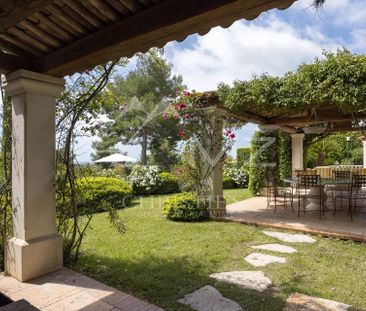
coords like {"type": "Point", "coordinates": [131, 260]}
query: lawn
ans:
{"type": "Point", "coordinates": [160, 261]}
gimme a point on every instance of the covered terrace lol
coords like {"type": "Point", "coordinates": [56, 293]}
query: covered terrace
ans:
{"type": "Point", "coordinates": [41, 41]}
{"type": "Point", "coordinates": [313, 120]}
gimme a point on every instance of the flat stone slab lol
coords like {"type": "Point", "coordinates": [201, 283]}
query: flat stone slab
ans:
{"type": "Point", "coordinates": [208, 298]}
{"type": "Point", "coordinates": [298, 302]}
{"type": "Point", "coordinates": [261, 260]}
{"type": "Point", "coordinates": [255, 280]}
{"type": "Point", "coordinates": [276, 248]}
{"type": "Point", "coordinates": [290, 238]}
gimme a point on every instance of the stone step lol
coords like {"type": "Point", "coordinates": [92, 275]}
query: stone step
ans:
{"type": "Point", "coordinates": [208, 298]}
{"type": "Point", "coordinates": [255, 280]}
{"type": "Point", "coordinates": [299, 302]}
{"type": "Point", "coordinates": [261, 260]}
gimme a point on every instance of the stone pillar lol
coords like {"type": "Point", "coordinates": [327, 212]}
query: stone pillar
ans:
{"type": "Point", "coordinates": [364, 152]}
{"type": "Point", "coordinates": [217, 201]}
{"type": "Point", "coordinates": [297, 151]}
{"type": "Point", "coordinates": [35, 248]}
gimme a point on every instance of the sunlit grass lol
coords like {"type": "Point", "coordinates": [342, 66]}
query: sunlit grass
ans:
{"type": "Point", "coordinates": [160, 261]}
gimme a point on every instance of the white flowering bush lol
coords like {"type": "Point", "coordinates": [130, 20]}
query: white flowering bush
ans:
{"type": "Point", "coordinates": [144, 179]}
{"type": "Point", "coordinates": [236, 176]}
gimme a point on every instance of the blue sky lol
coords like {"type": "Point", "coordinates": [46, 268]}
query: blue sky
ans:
{"type": "Point", "coordinates": [274, 43]}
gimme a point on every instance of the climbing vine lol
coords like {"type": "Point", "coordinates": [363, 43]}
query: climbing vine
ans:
{"type": "Point", "coordinates": [337, 79]}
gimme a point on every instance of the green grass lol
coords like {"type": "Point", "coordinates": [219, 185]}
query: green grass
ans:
{"type": "Point", "coordinates": [160, 260]}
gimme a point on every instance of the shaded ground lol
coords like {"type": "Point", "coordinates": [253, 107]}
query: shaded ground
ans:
{"type": "Point", "coordinates": [161, 261]}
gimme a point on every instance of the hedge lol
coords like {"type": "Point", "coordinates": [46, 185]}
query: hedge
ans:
{"type": "Point", "coordinates": [96, 191]}
{"type": "Point", "coordinates": [185, 207]}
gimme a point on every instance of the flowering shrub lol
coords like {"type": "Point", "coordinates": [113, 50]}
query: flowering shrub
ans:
{"type": "Point", "coordinates": [193, 118]}
{"type": "Point", "coordinates": [185, 207]}
{"type": "Point", "coordinates": [239, 176]}
{"type": "Point", "coordinates": [144, 179]}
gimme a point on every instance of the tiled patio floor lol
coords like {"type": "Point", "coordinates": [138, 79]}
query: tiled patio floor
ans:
{"type": "Point", "coordinates": [254, 211]}
{"type": "Point", "coordinates": [67, 290]}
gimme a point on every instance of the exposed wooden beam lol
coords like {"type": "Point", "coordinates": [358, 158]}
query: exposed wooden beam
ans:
{"type": "Point", "coordinates": [170, 20]}
{"type": "Point", "coordinates": [14, 11]}
{"type": "Point", "coordinates": [346, 129]}
{"type": "Point", "coordinates": [246, 117]}
{"type": "Point", "coordinates": [10, 63]}
{"type": "Point", "coordinates": [325, 116]}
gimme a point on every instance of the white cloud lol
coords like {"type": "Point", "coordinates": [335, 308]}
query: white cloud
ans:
{"type": "Point", "coordinates": [246, 48]}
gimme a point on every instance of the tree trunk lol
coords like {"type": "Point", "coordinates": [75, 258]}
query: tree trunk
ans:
{"type": "Point", "coordinates": [144, 147]}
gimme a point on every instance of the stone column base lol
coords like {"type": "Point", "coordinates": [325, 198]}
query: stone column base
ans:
{"type": "Point", "coordinates": [217, 207]}
{"type": "Point", "coordinates": [25, 260]}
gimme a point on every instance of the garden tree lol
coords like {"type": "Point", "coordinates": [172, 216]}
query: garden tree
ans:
{"type": "Point", "coordinates": [344, 148]}
{"type": "Point", "coordinates": [104, 147]}
{"type": "Point", "coordinates": [136, 105]}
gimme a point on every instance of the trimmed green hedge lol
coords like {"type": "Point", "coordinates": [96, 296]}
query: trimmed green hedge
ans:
{"type": "Point", "coordinates": [270, 152]}
{"type": "Point", "coordinates": [97, 191]}
{"type": "Point", "coordinates": [185, 207]}
{"type": "Point", "coordinates": [167, 183]}
{"type": "Point", "coordinates": [228, 183]}
{"type": "Point", "coordinates": [243, 157]}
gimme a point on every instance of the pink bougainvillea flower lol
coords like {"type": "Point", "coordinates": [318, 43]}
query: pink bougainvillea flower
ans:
{"type": "Point", "coordinates": [228, 132]}
{"type": "Point", "coordinates": [232, 135]}
{"type": "Point", "coordinates": [186, 93]}
{"type": "Point", "coordinates": [165, 116]}
{"type": "Point", "coordinates": [180, 106]}
{"type": "Point", "coordinates": [186, 116]}
{"type": "Point", "coordinates": [182, 133]}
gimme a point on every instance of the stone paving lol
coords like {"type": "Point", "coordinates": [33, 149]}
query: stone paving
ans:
{"type": "Point", "coordinates": [261, 260]}
{"type": "Point", "coordinates": [298, 302]}
{"type": "Point", "coordinates": [67, 290]}
{"type": "Point", "coordinates": [276, 248]}
{"type": "Point", "coordinates": [255, 280]}
{"type": "Point", "coordinates": [208, 298]}
{"type": "Point", "coordinates": [290, 238]}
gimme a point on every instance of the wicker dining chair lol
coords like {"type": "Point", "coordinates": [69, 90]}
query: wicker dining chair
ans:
{"type": "Point", "coordinates": [305, 185]}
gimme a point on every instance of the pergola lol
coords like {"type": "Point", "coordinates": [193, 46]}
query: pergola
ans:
{"type": "Point", "coordinates": [294, 123]}
{"type": "Point", "coordinates": [43, 40]}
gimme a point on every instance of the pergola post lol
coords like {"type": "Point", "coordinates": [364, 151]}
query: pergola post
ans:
{"type": "Point", "coordinates": [217, 201]}
{"type": "Point", "coordinates": [297, 151]}
{"type": "Point", "coordinates": [35, 248]}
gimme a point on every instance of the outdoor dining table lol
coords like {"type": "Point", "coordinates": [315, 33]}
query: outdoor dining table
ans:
{"type": "Point", "coordinates": [324, 183]}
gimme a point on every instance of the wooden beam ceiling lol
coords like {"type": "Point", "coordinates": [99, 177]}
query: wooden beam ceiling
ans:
{"type": "Point", "coordinates": [14, 11]}
{"type": "Point", "coordinates": [170, 20]}
{"type": "Point", "coordinates": [326, 115]}
{"type": "Point", "coordinates": [10, 63]}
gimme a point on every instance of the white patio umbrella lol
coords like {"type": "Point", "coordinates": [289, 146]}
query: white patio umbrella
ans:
{"type": "Point", "coordinates": [115, 158]}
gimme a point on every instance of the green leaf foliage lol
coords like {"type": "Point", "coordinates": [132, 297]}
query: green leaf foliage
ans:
{"type": "Point", "coordinates": [167, 183]}
{"type": "Point", "coordinates": [100, 192]}
{"type": "Point", "coordinates": [185, 207]}
{"type": "Point", "coordinates": [337, 79]}
{"type": "Point", "coordinates": [269, 153]}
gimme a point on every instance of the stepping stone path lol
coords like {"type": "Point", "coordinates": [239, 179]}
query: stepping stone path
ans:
{"type": "Point", "coordinates": [209, 298]}
{"type": "Point", "coordinates": [255, 280]}
{"type": "Point", "coordinates": [298, 302]}
{"type": "Point", "coordinates": [261, 260]}
{"type": "Point", "coordinates": [290, 238]}
{"type": "Point", "coordinates": [276, 248]}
